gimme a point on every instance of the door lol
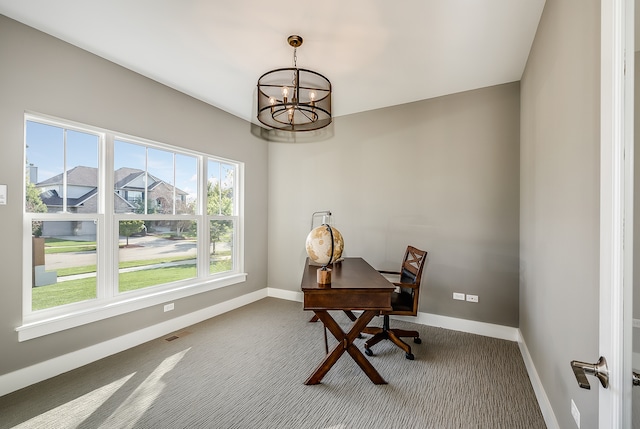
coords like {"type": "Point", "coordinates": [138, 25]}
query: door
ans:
{"type": "Point", "coordinates": [616, 210]}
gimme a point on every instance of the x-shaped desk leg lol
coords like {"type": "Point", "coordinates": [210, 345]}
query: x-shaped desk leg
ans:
{"type": "Point", "coordinates": [345, 343]}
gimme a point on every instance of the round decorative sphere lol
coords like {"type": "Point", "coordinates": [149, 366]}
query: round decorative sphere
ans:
{"type": "Point", "coordinates": [319, 244]}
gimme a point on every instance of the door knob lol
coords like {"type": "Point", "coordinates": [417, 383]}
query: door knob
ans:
{"type": "Point", "coordinates": [598, 369]}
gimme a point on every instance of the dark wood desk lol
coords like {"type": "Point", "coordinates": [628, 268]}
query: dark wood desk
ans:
{"type": "Point", "coordinates": [355, 285]}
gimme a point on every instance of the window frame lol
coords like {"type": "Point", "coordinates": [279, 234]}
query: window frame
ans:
{"type": "Point", "coordinates": [110, 302]}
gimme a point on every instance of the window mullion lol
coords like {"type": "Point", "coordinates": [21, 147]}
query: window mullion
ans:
{"type": "Point", "coordinates": [64, 171]}
{"type": "Point", "coordinates": [107, 241]}
{"type": "Point", "coordinates": [203, 220]}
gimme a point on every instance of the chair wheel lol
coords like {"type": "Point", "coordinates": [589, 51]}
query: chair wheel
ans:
{"type": "Point", "coordinates": [368, 352]}
{"type": "Point", "coordinates": [417, 340]}
{"type": "Point", "coordinates": [409, 356]}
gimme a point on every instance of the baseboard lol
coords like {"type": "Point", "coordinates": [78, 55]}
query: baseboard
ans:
{"type": "Point", "coordinates": [41, 371]}
{"type": "Point", "coordinates": [289, 295]}
{"type": "Point", "coordinates": [471, 326]}
{"type": "Point", "coordinates": [543, 400]}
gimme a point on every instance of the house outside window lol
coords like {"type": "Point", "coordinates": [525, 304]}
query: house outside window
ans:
{"type": "Point", "coordinates": [117, 221]}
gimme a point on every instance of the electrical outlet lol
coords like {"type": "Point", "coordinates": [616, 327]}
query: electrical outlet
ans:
{"type": "Point", "coordinates": [636, 323]}
{"type": "Point", "coordinates": [575, 413]}
{"type": "Point", "coordinates": [472, 298]}
{"type": "Point", "coordinates": [169, 307]}
{"type": "Point", "coordinates": [458, 296]}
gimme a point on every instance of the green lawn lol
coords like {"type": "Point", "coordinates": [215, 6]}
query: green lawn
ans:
{"type": "Point", "coordinates": [56, 245]}
{"type": "Point", "coordinates": [83, 289]}
{"type": "Point", "coordinates": [126, 264]}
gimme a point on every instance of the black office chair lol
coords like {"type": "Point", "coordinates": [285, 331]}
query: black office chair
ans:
{"type": "Point", "coordinates": [404, 302]}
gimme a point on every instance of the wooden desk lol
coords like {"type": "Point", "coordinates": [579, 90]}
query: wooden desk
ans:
{"type": "Point", "coordinates": [355, 285]}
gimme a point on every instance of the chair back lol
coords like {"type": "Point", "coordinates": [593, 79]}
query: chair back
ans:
{"type": "Point", "coordinates": [411, 273]}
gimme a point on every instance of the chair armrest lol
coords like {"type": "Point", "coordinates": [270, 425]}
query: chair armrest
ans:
{"type": "Point", "coordinates": [406, 285]}
{"type": "Point", "coordinates": [389, 272]}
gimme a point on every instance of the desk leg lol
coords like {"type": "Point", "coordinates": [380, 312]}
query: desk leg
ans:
{"type": "Point", "coordinates": [345, 342]}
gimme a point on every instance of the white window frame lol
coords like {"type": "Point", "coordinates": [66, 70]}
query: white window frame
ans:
{"type": "Point", "coordinates": [110, 302]}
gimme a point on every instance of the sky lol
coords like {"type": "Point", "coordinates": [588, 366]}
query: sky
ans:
{"type": "Point", "coordinates": [46, 151]}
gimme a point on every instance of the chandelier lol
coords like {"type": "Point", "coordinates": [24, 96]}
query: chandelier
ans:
{"type": "Point", "coordinates": [294, 99]}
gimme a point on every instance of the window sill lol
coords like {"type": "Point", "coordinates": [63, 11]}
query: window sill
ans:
{"type": "Point", "coordinates": [41, 327]}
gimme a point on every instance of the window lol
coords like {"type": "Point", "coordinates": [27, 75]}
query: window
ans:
{"type": "Point", "coordinates": [117, 223]}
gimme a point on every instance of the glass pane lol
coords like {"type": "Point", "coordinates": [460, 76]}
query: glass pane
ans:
{"type": "Point", "coordinates": [160, 181]}
{"type": "Point", "coordinates": [228, 184]}
{"type": "Point", "coordinates": [82, 172]}
{"type": "Point", "coordinates": [186, 184]}
{"type": "Point", "coordinates": [129, 162]}
{"type": "Point", "coordinates": [220, 185]}
{"type": "Point", "coordinates": [45, 163]}
{"type": "Point", "coordinates": [221, 246]}
{"type": "Point", "coordinates": [152, 253]}
{"type": "Point", "coordinates": [63, 263]}
{"type": "Point", "coordinates": [46, 149]}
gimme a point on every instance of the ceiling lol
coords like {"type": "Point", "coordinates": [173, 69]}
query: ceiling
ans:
{"type": "Point", "coordinates": [376, 53]}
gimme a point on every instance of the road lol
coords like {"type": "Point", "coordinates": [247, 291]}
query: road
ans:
{"type": "Point", "coordinates": [140, 248]}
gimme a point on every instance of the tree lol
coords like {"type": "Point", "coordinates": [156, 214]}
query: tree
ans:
{"type": "Point", "coordinates": [130, 227]}
{"type": "Point", "coordinates": [219, 202]}
{"type": "Point", "coordinates": [217, 229]}
{"type": "Point", "coordinates": [34, 204]}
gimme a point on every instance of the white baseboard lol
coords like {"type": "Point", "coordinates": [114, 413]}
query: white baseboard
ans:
{"type": "Point", "coordinates": [543, 400]}
{"type": "Point", "coordinates": [285, 294]}
{"type": "Point", "coordinates": [471, 326]}
{"type": "Point", "coordinates": [41, 371]}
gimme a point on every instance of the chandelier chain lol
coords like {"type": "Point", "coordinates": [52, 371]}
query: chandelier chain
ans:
{"type": "Point", "coordinates": [295, 66]}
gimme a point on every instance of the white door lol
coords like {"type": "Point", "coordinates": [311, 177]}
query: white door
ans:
{"type": "Point", "coordinates": [616, 210]}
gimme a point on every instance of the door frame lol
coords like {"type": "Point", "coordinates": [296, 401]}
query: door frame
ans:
{"type": "Point", "coordinates": [616, 209]}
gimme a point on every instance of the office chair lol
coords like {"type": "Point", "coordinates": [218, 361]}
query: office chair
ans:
{"type": "Point", "coordinates": [404, 302]}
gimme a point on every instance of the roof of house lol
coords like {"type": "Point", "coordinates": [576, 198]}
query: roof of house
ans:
{"type": "Point", "coordinates": [77, 176]}
{"type": "Point", "coordinates": [88, 176]}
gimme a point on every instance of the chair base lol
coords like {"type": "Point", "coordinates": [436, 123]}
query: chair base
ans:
{"type": "Point", "coordinates": [393, 335]}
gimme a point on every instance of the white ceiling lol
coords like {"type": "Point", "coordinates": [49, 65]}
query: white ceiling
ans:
{"type": "Point", "coordinates": [376, 53]}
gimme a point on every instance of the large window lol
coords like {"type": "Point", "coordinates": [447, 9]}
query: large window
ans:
{"type": "Point", "coordinates": [117, 222]}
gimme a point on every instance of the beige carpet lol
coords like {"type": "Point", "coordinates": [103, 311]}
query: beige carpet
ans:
{"type": "Point", "coordinates": [246, 368]}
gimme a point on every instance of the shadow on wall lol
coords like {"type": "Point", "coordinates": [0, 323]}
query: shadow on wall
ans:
{"type": "Point", "coordinates": [278, 136]}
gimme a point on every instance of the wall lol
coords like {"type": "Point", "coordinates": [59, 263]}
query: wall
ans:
{"type": "Point", "coordinates": [440, 174]}
{"type": "Point", "coordinates": [42, 74]}
{"type": "Point", "coordinates": [559, 234]}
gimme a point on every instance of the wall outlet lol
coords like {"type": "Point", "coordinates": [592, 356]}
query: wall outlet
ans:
{"type": "Point", "coordinates": [169, 307]}
{"type": "Point", "coordinates": [636, 323]}
{"type": "Point", "coordinates": [575, 413]}
{"type": "Point", "coordinates": [472, 298]}
{"type": "Point", "coordinates": [458, 296]}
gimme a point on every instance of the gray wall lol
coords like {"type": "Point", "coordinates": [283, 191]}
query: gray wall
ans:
{"type": "Point", "coordinates": [42, 74]}
{"type": "Point", "coordinates": [440, 174]}
{"type": "Point", "coordinates": [559, 193]}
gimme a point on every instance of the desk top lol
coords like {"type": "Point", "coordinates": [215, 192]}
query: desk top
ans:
{"type": "Point", "coordinates": [355, 285]}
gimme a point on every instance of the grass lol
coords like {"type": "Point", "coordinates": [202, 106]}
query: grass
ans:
{"type": "Point", "coordinates": [125, 264]}
{"type": "Point", "coordinates": [84, 289]}
{"type": "Point", "coordinates": [56, 245]}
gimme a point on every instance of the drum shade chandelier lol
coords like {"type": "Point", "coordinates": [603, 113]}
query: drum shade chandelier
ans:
{"type": "Point", "coordinates": [294, 99]}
